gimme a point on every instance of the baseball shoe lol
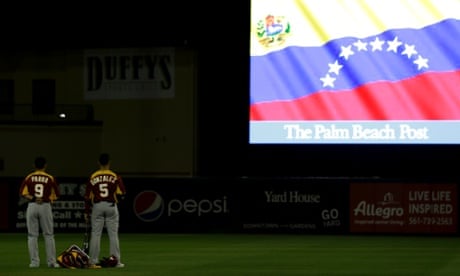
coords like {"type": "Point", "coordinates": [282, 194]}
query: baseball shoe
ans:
{"type": "Point", "coordinates": [55, 265]}
{"type": "Point", "coordinates": [93, 266]}
{"type": "Point", "coordinates": [120, 265]}
{"type": "Point", "coordinates": [34, 265]}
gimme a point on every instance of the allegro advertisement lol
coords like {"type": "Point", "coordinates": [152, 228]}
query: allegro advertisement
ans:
{"type": "Point", "coordinates": [403, 208]}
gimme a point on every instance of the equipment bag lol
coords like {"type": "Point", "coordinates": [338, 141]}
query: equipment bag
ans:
{"type": "Point", "coordinates": [73, 257]}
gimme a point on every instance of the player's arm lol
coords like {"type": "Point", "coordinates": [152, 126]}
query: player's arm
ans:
{"type": "Point", "coordinates": [29, 197]}
{"type": "Point", "coordinates": [121, 191]}
{"type": "Point", "coordinates": [24, 191]}
{"type": "Point", "coordinates": [57, 192]}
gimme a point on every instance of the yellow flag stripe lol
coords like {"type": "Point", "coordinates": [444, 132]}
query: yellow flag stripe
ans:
{"type": "Point", "coordinates": [314, 22]}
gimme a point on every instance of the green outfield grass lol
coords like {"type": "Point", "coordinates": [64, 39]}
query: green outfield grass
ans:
{"type": "Point", "coordinates": [252, 254]}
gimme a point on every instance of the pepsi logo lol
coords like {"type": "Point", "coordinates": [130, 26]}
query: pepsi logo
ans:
{"type": "Point", "coordinates": [148, 206]}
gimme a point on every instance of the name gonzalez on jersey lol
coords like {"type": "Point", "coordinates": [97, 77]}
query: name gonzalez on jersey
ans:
{"type": "Point", "coordinates": [103, 178]}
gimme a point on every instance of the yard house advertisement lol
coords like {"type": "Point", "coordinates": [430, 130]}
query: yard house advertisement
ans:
{"type": "Point", "coordinates": [294, 206]}
{"type": "Point", "coordinates": [403, 207]}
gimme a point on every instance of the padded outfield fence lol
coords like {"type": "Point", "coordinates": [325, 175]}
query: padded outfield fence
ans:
{"type": "Point", "coordinates": [257, 205]}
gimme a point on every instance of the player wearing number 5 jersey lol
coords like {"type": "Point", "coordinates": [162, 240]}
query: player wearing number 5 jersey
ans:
{"type": "Point", "coordinates": [103, 191]}
{"type": "Point", "coordinates": [40, 189]}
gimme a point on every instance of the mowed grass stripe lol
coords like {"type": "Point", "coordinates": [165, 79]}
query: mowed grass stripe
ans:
{"type": "Point", "coordinates": [252, 254]}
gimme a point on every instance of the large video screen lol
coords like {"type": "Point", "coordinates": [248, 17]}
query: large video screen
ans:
{"type": "Point", "coordinates": [354, 72]}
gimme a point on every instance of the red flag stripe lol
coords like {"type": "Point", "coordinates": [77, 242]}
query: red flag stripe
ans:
{"type": "Point", "coordinates": [430, 96]}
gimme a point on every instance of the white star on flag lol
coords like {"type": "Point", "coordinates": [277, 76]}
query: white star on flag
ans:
{"type": "Point", "coordinates": [361, 46]}
{"type": "Point", "coordinates": [393, 45]}
{"type": "Point", "coordinates": [346, 52]}
{"type": "Point", "coordinates": [377, 44]}
{"type": "Point", "coordinates": [335, 67]}
{"type": "Point", "coordinates": [328, 81]}
{"type": "Point", "coordinates": [421, 62]}
{"type": "Point", "coordinates": [409, 50]}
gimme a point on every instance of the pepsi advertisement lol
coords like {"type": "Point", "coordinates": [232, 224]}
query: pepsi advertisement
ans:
{"type": "Point", "coordinates": [179, 205]}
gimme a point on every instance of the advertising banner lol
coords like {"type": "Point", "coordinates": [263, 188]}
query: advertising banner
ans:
{"type": "Point", "coordinates": [429, 208]}
{"type": "Point", "coordinates": [178, 205]}
{"type": "Point", "coordinates": [303, 205]}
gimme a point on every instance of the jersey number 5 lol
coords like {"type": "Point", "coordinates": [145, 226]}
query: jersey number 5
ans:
{"type": "Point", "coordinates": [104, 190]}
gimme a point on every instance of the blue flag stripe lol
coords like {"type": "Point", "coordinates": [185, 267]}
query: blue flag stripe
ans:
{"type": "Point", "coordinates": [339, 65]}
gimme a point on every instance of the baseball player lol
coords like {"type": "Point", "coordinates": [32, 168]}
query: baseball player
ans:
{"type": "Point", "coordinates": [40, 189]}
{"type": "Point", "coordinates": [103, 191]}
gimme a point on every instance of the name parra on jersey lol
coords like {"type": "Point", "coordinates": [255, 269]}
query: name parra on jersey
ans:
{"type": "Point", "coordinates": [39, 179]}
{"type": "Point", "coordinates": [103, 179]}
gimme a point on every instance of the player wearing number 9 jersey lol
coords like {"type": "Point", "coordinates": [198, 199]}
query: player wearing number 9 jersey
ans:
{"type": "Point", "coordinates": [103, 191]}
{"type": "Point", "coordinates": [40, 189]}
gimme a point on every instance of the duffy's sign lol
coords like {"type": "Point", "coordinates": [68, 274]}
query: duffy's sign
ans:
{"type": "Point", "coordinates": [129, 73]}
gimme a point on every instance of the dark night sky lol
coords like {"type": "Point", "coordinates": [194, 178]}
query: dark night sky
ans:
{"type": "Point", "coordinates": [167, 23]}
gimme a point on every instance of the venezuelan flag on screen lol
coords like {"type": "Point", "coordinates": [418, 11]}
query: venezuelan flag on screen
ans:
{"type": "Point", "coordinates": [355, 60]}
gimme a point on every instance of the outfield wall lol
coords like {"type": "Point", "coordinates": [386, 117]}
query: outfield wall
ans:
{"type": "Point", "coordinates": [258, 205]}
